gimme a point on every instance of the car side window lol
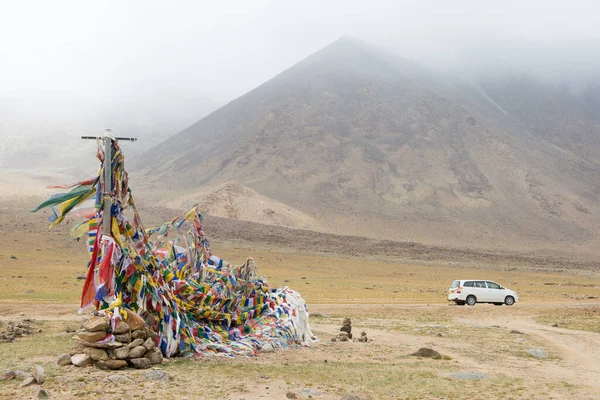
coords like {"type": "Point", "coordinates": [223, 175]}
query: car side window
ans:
{"type": "Point", "coordinates": [468, 284]}
{"type": "Point", "coordinates": [493, 285]}
{"type": "Point", "coordinates": [480, 284]}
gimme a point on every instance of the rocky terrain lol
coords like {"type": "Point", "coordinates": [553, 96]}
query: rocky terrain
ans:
{"type": "Point", "coordinates": [372, 145]}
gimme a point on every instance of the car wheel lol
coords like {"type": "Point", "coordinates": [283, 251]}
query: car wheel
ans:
{"type": "Point", "coordinates": [471, 300]}
{"type": "Point", "coordinates": [509, 301]}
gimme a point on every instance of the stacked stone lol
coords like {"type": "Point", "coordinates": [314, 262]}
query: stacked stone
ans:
{"type": "Point", "coordinates": [15, 330]}
{"type": "Point", "coordinates": [134, 344]}
{"type": "Point", "coordinates": [347, 327]}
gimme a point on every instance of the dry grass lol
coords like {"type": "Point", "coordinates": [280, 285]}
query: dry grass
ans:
{"type": "Point", "coordinates": [580, 318]}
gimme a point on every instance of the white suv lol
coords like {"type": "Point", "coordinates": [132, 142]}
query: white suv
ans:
{"type": "Point", "coordinates": [471, 291]}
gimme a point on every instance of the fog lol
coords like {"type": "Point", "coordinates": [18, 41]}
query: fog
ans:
{"type": "Point", "coordinates": [152, 68]}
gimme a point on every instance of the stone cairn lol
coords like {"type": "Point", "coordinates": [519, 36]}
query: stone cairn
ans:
{"type": "Point", "coordinates": [134, 344]}
{"type": "Point", "coordinates": [345, 333]}
{"type": "Point", "coordinates": [14, 330]}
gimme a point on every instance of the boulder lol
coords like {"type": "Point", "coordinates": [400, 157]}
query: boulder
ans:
{"type": "Point", "coordinates": [96, 354]}
{"type": "Point", "coordinates": [124, 338]}
{"type": "Point", "coordinates": [136, 342]}
{"type": "Point", "coordinates": [157, 375]}
{"type": "Point", "coordinates": [96, 324]}
{"type": "Point", "coordinates": [38, 373]}
{"type": "Point", "coordinates": [149, 344]}
{"type": "Point", "coordinates": [121, 353]}
{"type": "Point", "coordinates": [140, 363]}
{"type": "Point", "coordinates": [267, 348]}
{"type": "Point", "coordinates": [538, 353]}
{"type": "Point", "coordinates": [121, 328]}
{"type": "Point", "coordinates": [27, 381]}
{"type": "Point", "coordinates": [154, 356]}
{"type": "Point", "coordinates": [91, 337]}
{"type": "Point", "coordinates": [137, 352]}
{"type": "Point", "coordinates": [111, 364]}
{"type": "Point", "coordinates": [139, 334]}
{"type": "Point", "coordinates": [151, 334]}
{"type": "Point", "coordinates": [64, 359]}
{"type": "Point", "coordinates": [135, 321]}
{"type": "Point", "coordinates": [427, 353]}
{"type": "Point", "coordinates": [82, 360]}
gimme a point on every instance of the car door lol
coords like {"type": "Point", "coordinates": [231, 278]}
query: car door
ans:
{"type": "Point", "coordinates": [496, 292]}
{"type": "Point", "coordinates": [480, 291]}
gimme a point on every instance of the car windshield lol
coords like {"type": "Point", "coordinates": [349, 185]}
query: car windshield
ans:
{"type": "Point", "coordinates": [493, 285]}
{"type": "Point", "coordinates": [455, 284]}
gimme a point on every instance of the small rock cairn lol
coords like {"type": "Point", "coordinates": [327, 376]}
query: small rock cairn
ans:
{"type": "Point", "coordinates": [134, 344]}
{"type": "Point", "coordinates": [345, 334]}
{"type": "Point", "coordinates": [17, 329]}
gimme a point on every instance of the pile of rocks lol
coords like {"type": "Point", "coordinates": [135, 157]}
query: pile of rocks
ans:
{"type": "Point", "coordinates": [134, 344]}
{"type": "Point", "coordinates": [345, 333]}
{"type": "Point", "coordinates": [13, 330]}
{"type": "Point", "coordinates": [347, 327]}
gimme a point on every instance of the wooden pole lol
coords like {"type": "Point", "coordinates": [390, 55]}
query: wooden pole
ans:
{"type": "Point", "coordinates": [107, 176]}
{"type": "Point", "coordinates": [106, 217]}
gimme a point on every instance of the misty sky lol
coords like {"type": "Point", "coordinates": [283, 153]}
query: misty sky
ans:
{"type": "Point", "coordinates": [58, 54]}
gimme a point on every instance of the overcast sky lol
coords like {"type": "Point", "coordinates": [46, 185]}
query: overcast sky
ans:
{"type": "Point", "coordinates": [63, 53]}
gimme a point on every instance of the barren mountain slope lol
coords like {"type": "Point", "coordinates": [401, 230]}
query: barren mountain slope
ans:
{"type": "Point", "coordinates": [361, 140]}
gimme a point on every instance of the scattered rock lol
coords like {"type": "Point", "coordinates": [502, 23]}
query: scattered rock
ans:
{"type": "Point", "coordinates": [38, 373]}
{"type": "Point", "coordinates": [154, 356]}
{"type": "Point", "coordinates": [135, 321]}
{"type": "Point", "coordinates": [111, 364]}
{"type": "Point", "coordinates": [514, 332]}
{"type": "Point", "coordinates": [119, 379]}
{"type": "Point", "coordinates": [96, 324]}
{"type": "Point", "coordinates": [311, 392]}
{"type": "Point", "coordinates": [80, 277]}
{"type": "Point", "coordinates": [267, 348]}
{"type": "Point", "coordinates": [291, 395]}
{"type": "Point", "coordinates": [156, 375]}
{"type": "Point", "coordinates": [27, 381]}
{"type": "Point", "coordinates": [538, 353]}
{"type": "Point", "coordinates": [13, 257]}
{"type": "Point", "coordinates": [30, 291]}
{"type": "Point", "coordinates": [468, 376]}
{"type": "Point", "coordinates": [317, 315]}
{"type": "Point", "coordinates": [42, 394]}
{"type": "Point", "coordinates": [427, 353]}
{"type": "Point", "coordinates": [555, 325]}
{"type": "Point", "coordinates": [137, 352]}
{"type": "Point", "coordinates": [8, 376]}
{"type": "Point", "coordinates": [521, 339]}
{"type": "Point", "coordinates": [140, 363]}
{"type": "Point", "coordinates": [96, 354]}
{"type": "Point", "coordinates": [82, 360]}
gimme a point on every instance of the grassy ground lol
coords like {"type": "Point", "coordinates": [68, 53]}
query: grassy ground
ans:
{"type": "Point", "coordinates": [387, 300]}
{"type": "Point", "coordinates": [46, 270]}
